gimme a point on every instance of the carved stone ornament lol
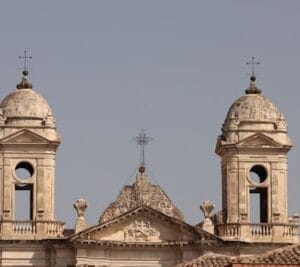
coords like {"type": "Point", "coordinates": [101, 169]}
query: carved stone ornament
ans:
{"type": "Point", "coordinates": [244, 217]}
{"type": "Point", "coordinates": [2, 117]}
{"type": "Point", "coordinates": [49, 120]}
{"type": "Point", "coordinates": [141, 193]}
{"type": "Point", "coordinates": [80, 206]}
{"type": "Point", "coordinates": [276, 216]}
{"type": "Point", "coordinates": [207, 207]}
{"type": "Point", "coordinates": [253, 107]}
{"type": "Point", "coordinates": [281, 124]}
{"type": "Point", "coordinates": [140, 231]}
{"type": "Point", "coordinates": [231, 124]}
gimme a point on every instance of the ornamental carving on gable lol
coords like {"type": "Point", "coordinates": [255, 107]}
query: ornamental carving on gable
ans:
{"type": "Point", "coordinates": [141, 193]}
{"type": "Point", "coordinates": [140, 231]}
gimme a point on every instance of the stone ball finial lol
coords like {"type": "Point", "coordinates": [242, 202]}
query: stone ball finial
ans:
{"type": "Point", "coordinates": [80, 206]}
{"type": "Point", "coordinates": [207, 207]}
{"type": "Point", "coordinates": [25, 73]}
{"type": "Point", "coordinates": [142, 169]}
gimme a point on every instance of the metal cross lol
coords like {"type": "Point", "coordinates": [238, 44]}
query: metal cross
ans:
{"type": "Point", "coordinates": [142, 139]}
{"type": "Point", "coordinates": [25, 57]}
{"type": "Point", "coordinates": [253, 63]}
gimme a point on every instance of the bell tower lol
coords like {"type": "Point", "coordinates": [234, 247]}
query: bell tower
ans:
{"type": "Point", "coordinates": [253, 148]}
{"type": "Point", "coordinates": [28, 144]}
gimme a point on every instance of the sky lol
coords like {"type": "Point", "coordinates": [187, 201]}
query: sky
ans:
{"type": "Point", "coordinates": [110, 68]}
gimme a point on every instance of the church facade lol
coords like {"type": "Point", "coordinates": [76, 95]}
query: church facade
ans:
{"type": "Point", "coordinates": [143, 227]}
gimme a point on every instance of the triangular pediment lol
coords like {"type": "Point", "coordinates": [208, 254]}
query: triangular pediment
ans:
{"type": "Point", "coordinates": [24, 137]}
{"type": "Point", "coordinates": [258, 140]}
{"type": "Point", "coordinates": [143, 225]}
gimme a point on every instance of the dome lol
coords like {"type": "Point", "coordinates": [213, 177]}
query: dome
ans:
{"type": "Point", "coordinates": [254, 108]}
{"type": "Point", "coordinates": [24, 103]}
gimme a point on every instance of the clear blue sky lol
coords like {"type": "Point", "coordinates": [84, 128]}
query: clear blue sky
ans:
{"type": "Point", "coordinates": [109, 68]}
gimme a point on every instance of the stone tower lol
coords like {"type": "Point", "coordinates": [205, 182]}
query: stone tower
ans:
{"type": "Point", "coordinates": [29, 141]}
{"type": "Point", "coordinates": [253, 148]}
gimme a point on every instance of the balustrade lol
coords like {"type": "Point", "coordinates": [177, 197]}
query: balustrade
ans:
{"type": "Point", "coordinates": [290, 230]}
{"type": "Point", "coordinates": [55, 229]}
{"type": "Point", "coordinates": [31, 228]}
{"type": "Point", "coordinates": [259, 231]}
{"type": "Point", "coordinates": [228, 230]}
{"type": "Point", "coordinates": [24, 227]}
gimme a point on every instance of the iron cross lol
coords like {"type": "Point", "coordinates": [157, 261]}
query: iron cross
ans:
{"type": "Point", "coordinates": [142, 139]}
{"type": "Point", "coordinates": [25, 57]}
{"type": "Point", "coordinates": [253, 63]}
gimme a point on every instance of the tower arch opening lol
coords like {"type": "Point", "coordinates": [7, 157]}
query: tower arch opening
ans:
{"type": "Point", "coordinates": [258, 208]}
{"type": "Point", "coordinates": [23, 202]}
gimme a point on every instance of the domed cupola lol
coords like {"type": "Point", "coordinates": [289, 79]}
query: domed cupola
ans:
{"type": "Point", "coordinates": [251, 113]}
{"type": "Point", "coordinates": [25, 107]}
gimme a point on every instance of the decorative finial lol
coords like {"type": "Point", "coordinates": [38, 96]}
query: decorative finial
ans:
{"type": "Point", "coordinates": [142, 169]}
{"type": "Point", "coordinates": [252, 88]}
{"type": "Point", "coordinates": [207, 207]}
{"type": "Point", "coordinates": [142, 139]}
{"type": "Point", "coordinates": [25, 84]}
{"type": "Point", "coordinates": [80, 206]}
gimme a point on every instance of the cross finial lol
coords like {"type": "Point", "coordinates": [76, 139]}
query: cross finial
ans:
{"type": "Point", "coordinates": [253, 63]}
{"type": "Point", "coordinates": [25, 57]}
{"type": "Point", "coordinates": [142, 139]}
{"type": "Point", "coordinates": [252, 88]}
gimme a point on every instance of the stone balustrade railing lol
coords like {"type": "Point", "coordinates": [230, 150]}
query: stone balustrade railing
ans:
{"type": "Point", "coordinates": [55, 229]}
{"type": "Point", "coordinates": [290, 230]}
{"type": "Point", "coordinates": [258, 231]}
{"type": "Point", "coordinates": [228, 230]}
{"type": "Point", "coordinates": [28, 229]}
{"type": "Point", "coordinates": [24, 227]}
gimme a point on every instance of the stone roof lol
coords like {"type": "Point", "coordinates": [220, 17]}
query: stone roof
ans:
{"type": "Point", "coordinates": [208, 261]}
{"type": "Point", "coordinates": [254, 107]}
{"type": "Point", "coordinates": [285, 255]}
{"type": "Point", "coordinates": [142, 192]}
{"type": "Point", "coordinates": [25, 103]}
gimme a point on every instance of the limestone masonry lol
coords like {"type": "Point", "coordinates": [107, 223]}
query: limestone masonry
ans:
{"type": "Point", "coordinates": [143, 227]}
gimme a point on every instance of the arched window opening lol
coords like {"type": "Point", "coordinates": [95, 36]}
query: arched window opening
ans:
{"type": "Point", "coordinates": [24, 202]}
{"type": "Point", "coordinates": [258, 174]}
{"type": "Point", "coordinates": [259, 205]}
{"type": "Point", "coordinates": [24, 170]}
